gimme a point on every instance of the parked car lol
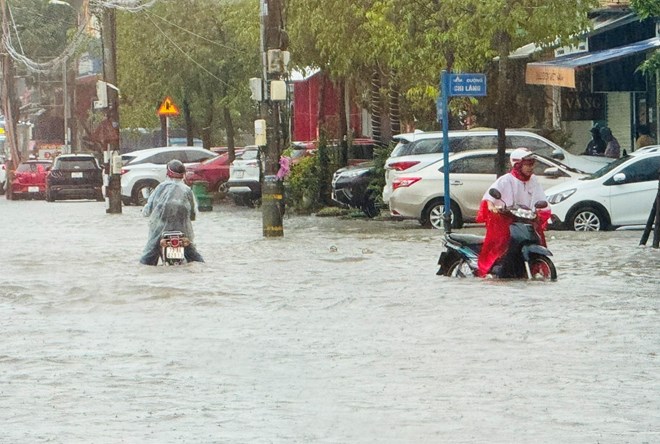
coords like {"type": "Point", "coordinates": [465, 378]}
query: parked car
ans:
{"type": "Point", "coordinates": [361, 149]}
{"type": "Point", "coordinates": [621, 193]}
{"type": "Point", "coordinates": [74, 176]}
{"type": "Point", "coordinates": [350, 188]}
{"type": "Point", "coordinates": [420, 195]}
{"type": "Point", "coordinates": [244, 185]}
{"type": "Point", "coordinates": [29, 180]}
{"type": "Point", "coordinates": [215, 171]}
{"type": "Point", "coordinates": [417, 150]}
{"type": "Point", "coordinates": [143, 170]}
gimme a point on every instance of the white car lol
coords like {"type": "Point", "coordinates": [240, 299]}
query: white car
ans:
{"type": "Point", "coordinates": [143, 170]}
{"type": "Point", "coordinates": [244, 184]}
{"type": "Point", "coordinates": [420, 194]}
{"type": "Point", "coordinates": [621, 193]}
{"type": "Point", "coordinates": [417, 150]}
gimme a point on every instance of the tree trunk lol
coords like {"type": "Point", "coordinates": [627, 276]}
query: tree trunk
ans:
{"type": "Point", "coordinates": [208, 122]}
{"type": "Point", "coordinates": [229, 127]}
{"type": "Point", "coordinates": [343, 124]}
{"type": "Point", "coordinates": [376, 107]}
{"type": "Point", "coordinates": [188, 122]}
{"type": "Point", "coordinates": [504, 46]}
{"type": "Point", "coordinates": [393, 99]}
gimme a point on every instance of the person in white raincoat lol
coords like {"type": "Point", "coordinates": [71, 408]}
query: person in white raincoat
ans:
{"type": "Point", "coordinates": [171, 206]}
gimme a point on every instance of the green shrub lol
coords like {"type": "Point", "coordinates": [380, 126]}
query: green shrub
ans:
{"type": "Point", "coordinates": [303, 185]}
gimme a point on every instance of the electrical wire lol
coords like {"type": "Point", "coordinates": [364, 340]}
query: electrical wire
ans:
{"type": "Point", "coordinates": [188, 55]}
{"type": "Point", "coordinates": [124, 5]}
{"type": "Point", "coordinates": [192, 33]}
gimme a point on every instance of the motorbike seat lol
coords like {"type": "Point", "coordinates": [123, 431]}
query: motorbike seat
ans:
{"type": "Point", "coordinates": [466, 239]}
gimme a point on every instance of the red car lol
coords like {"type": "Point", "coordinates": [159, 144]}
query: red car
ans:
{"type": "Point", "coordinates": [29, 181]}
{"type": "Point", "coordinates": [215, 171]}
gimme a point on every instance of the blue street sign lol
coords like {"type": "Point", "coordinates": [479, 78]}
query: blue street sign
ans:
{"type": "Point", "coordinates": [467, 84]}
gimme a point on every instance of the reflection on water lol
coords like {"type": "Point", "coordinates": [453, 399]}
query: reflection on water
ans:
{"type": "Point", "coordinates": [338, 332]}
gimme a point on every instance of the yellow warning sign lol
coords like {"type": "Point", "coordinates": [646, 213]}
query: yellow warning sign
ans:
{"type": "Point", "coordinates": [168, 108]}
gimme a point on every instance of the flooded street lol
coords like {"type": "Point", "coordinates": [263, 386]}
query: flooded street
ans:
{"type": "Point", "coordinates": [340, 332]}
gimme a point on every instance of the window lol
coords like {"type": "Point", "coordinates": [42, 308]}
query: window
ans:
{"type": "Point", "coordinates": [467, 143]}
{"type": "Point", "coordinates": [643, 171]}
{"type": "Point", "coordinates": [69, 164]}
{"type": "Point", "coordinates": [426, 146]}
{"type": "Point", "coordinates": [473, 165]}
{"type": "Point", "coordinates": [196, 156]}
{"type": "Point", "coordinates": [534, 144]}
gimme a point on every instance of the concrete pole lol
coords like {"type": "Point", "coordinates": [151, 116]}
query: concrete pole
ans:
{"type": "Point", "coordinates": [272, 190]}
{"type": "Point", "coordinates": [108, 30]}
{"type": "Point", "coordinates": [8, 101]}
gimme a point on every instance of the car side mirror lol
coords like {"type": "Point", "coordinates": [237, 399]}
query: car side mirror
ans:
{"type": "Point", "coordinates": [552, 172]}
{"type": "Point", "coordinates": [619, 177]}
{"type": "Point", "coordinates": [495, 193]}
{"type": "Point", "coordinates": [558, 154]}
{"type": "Point", "coordinates": [541, 204]}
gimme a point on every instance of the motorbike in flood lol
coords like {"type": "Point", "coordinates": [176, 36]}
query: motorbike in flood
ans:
{"type": "Point", "coordinates": [172, 247]}
{"type": "Point", "coordinates": [525, 258]}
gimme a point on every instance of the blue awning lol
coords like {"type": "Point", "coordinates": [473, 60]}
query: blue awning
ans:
{"type": "Point", "coordinates": [561, 71]}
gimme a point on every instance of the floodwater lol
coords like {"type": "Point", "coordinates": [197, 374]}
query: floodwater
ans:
{"type": "Point", "coordinates": [340, 332]}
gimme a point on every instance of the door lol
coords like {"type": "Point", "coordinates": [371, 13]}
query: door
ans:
{"type": "Point", "coordinates": [632, 200]}
{"type": "Point", "coordinates": [469, 179]}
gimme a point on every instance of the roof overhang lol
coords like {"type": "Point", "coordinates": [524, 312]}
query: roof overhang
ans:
{"type": "Point", "coordinates": [561, 71]}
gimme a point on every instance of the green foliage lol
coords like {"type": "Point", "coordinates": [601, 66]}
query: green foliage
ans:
{"type": "Point", "coordinates": [646, 8]}
{"type": "Point", "coordinates": [378, 181]}
{"type": "Point", "coordinates": [202, 56]}
{"type": "Point", "coordinates": [303, 185]}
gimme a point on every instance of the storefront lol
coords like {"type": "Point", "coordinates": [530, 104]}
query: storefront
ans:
{"type": "Point", "coordinates": [601, 83]}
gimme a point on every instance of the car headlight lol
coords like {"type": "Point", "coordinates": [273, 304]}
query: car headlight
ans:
{"type": "Point", "coordinates": [560, 197]}
{"type": "Point", "coordinates": [354, 173]}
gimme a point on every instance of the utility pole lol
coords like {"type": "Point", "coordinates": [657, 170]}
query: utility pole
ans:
{"type": "Point", "coordinates": [273, 46]}
{"type": "Point", "coordinates": [111, 153]}
{"type": "Point", "coordinates": [9, 100]}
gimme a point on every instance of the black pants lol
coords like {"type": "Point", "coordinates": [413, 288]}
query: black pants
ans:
{"type": "Point", "coordinates": [190, 253]}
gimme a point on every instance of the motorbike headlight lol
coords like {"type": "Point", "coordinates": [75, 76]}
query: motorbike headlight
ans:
{"type": "Point", "coordinates": [560, 197]}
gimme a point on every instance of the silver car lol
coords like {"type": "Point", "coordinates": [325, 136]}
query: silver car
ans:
{"type": "Point", "coordinates": [420, 194]}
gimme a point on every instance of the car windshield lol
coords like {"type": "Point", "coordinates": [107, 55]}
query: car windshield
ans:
{"type": "Point", "coordinates": [248, 155]}
{"type": "Point", "coordinates": [31, 166]}
{"type": "Point", "coordinates": [557, 163]}
{"type": "Point", "coordinates": [76, 164]}
{"type": "Point", "coordinates": [607, 168]}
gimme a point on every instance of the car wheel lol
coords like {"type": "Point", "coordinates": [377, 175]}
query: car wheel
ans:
{"type": "Point", "coordinates": [142, 190]}
{"type": "Point", "coordinates": [370, 207]}
{"type": "Point", "coordinates": [588, 219]}
{"type": "Point", "coordinates": [222, 190]}
{"type": "Point", "coordinates": [433, 215]}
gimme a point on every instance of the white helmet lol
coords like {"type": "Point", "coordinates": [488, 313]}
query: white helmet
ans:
{"type": "Point", "coordinates": [519, 154]}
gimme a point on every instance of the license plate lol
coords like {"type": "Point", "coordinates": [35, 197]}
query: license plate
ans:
{"type": "Point", "coordinates": [76, 175]}
{"type": "Point", "coordinates": [33, 189]}
{"type": "Point", "coordinates": [239, 174]}
{"type": "Point", "coordinates": [174, 252]}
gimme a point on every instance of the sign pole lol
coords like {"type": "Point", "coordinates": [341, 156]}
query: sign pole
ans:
{"type": "Point", "coordinates": [444, 88]}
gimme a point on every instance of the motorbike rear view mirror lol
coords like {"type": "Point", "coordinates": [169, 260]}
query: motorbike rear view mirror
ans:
{"type": "Point", "coordinates": [541, 204]}
{"type": "Point", "coordinates": [495, 193]}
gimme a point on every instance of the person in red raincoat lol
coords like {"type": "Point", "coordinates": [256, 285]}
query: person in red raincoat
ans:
{"type": "Point", "coordinates": [518, 187]}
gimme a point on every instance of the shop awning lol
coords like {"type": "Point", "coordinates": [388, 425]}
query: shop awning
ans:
{"type": "Point", "coordinates": [561, 71]}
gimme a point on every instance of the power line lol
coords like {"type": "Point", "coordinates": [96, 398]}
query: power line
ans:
{"type": "Point", "coordinates": [188, 55]}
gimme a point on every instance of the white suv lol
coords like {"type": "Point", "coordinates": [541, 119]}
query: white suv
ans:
{"type": "Point", "coordinates": [417, 150]}
{"type": "Point", "coordinates": [143, 170]}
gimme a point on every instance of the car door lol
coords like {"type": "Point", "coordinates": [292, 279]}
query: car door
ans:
{"type": "Point", "coordinates": [469, 179]}
{"type": "Point", "coordinates": [631, 200]}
